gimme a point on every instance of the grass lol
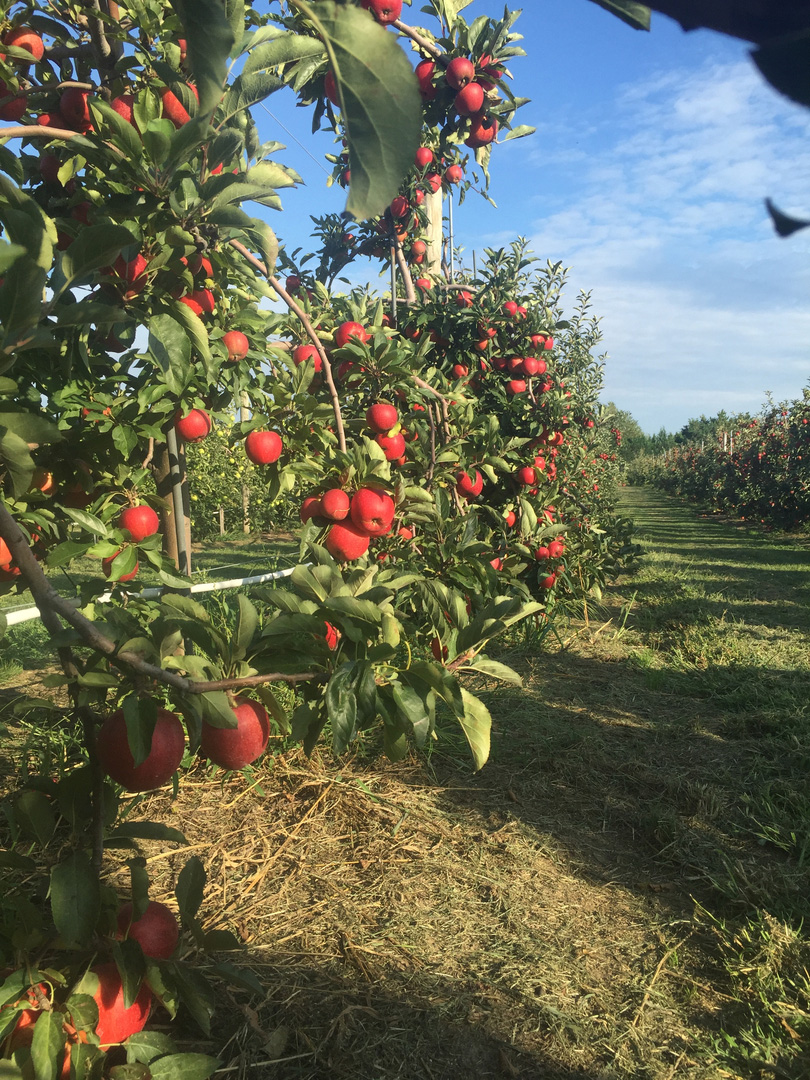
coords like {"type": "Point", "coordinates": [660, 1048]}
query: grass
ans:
{"type": "Point", "coordinates": [622, 891]}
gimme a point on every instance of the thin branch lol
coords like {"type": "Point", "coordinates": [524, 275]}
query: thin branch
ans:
{"type": "Point", "coordinates": [311, 334]}
{"type": "Point", "coordinates": [51, 604]}
{"type": "Point", "coordinates": [404, 269]}
{"type": "Point", "coordinates": [100, 44]}
{"type": "Point", "coordinates": [150, 453]}
{"type": "Point", "coordinates": [418, 39]}
{"type": "Point", "coordinates": [26, 131]}
{"type": "Point", "coordinates": [432, 466]}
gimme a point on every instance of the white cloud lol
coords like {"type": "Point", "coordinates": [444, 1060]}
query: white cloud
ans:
{"type": "Point", "coordinates": [659, 211]}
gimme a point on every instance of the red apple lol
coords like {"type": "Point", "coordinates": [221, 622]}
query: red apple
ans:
{"type": "Point", "coordinates": [335, 504]}
{"type": "Point", "coordinates": [382, 417]}
{"type": "Point", "coordinates": [400, 207]}
{"type": "Point", "coordinates": [542, 553]}
{"type": "Point", "coordinates": [74, 108]}
{"type": "Point", "coordinates": [548, 582]}
{"type": "Point", "coordinates": [331, 636]}
{"type": "Point", "coordinates": [165, 753]}
{"type": "Point", "coordinates": [393, 446]}
{"type": "Point", "coordinates": [482, 131]}
{"type": "Point", "coordinates": [453, 174]}
{"type": "Point", "coordinates": [510, 519]}
{"type": "Point", "coordinates": [106, 566]}
{"type": "Point", "coordinates": [439, 651]}
{"type": "Point", "coordinates": [516, 386]}
{"type": "Point", "coordinates": [350, 331]}
{"type": "Point", "coordinates": [434, 181]}
{"type": "Point", "coordinates": [173, 108]}
{"type": "Point", "coordinates": [384, 11]}
{"type": "Point", "coordinates": [194, 426]}
{"type": "Point", "coordinates": [15, 107]}
{"type": "Point", "coordinates": [156, 931]}
{"type": "Point", "coordinates": [459, 72]}
{"type": "Point", "coordinates": [467, 486]}
{"type": "Point", "coordinates": [23, 37]}
{"type": "Point", "coordinates": [556, 548]}
{"type": "Point", "coordinates": [139, 521]}
{"type": "Point", "coordinates": [525, 476]}
{"type": "Point", "coordinates": [424, 76]}
{"type": "Point", "coordinates": [310, 508]}
{"type": "Point", "coordinates": [116, 1022]}
{"type": "Point", "coordinates": [263, 447]}
{"type": "Point", "coordinates": [345, 542]}
{"type": "Point", "coordinates": [234, 748]}
{"type": "Point", "coordinates": [460, 371]}
{"type": "Point", "coordinates": [470, 99]}
{"type": "Point", "coordinates": [123, 105]}
{"type": "Point", "coordinates": [424, 284]}
{"type": "Point", "coordinates": [237, 345]}
{"type": "Point", "coordinates": [372, 511]}
{"type": "Point", "coordinates": [330, 89]}
{"type": "Point", "coordinates": [302, 353]}
{"type": "Point", "coordinates": [423, 157]}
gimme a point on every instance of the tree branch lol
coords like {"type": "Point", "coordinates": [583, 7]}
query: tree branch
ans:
{"type": "Point", "coordinates": [53, 606]}
{"type": "Point", "coordinates": [418, 39]}
{"type": "Point", "coordinates": [404, 269]}
{"type": "Point", "coordinates": [296, 308]}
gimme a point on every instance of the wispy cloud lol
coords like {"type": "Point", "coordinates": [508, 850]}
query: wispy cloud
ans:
{"type": "Point", "coordinates": [659, 213]}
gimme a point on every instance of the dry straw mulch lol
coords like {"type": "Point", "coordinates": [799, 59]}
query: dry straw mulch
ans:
{"type": "Point", "coordinates": [404, 927]}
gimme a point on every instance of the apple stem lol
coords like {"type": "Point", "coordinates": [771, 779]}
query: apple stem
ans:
{"type": "Point", "coordinates": [310, 329]}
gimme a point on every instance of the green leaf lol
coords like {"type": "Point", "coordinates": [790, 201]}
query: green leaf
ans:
{"type": "Point", "coordinates": [47, 1042]}
{"type": "Point", "coordinates": [35, 814]}
{"type": "Point", "coordinates": [129, 959]}
{"type": "Point", "coordinates": [146, 830]}
{"type": "Point", "coordinates": [89, 522]}
{"type": "Point", "coordinates": [189, 888]}
{"type": "Point", "coordinates": [284, 49]}
{"type": "Point", "coordinates": [194, 326]}
{"type": "Point", "coordinates": [9, 253]}
{"type": "Point", "coordinates": [21, 297]}
{"type": "Point", "coordinates": [221, 941]}
{"type": "Point", "coordinates": [381, 104]}
{"type": "Point", "coordinates": [210, 39]}
{"type": "Point", "coordinates": [123, 134]}
{"type": "Point", "coordinates": [216, 709]}
{"type": "Point", "coordinates": [145, 1046]}
{"type": "Point", "coordinates": [785, 63]}
{"type": "Point", "coordinates": [341, 705]}
{"type": "Point", "coordinates": [494, 669]}
{"type": "Point", "coordinates": [476, 723]}
{"type": "Point", "coordinates": [519, 132]}
{"type": "Point", "coordinates": [635, 15]}
{"type": "Point", "coordinates": [95, 246]}
{"type": "Point", "coordinates": [75, 899]}
{"type": "Point", "coordinates": [27, 224]}
{"type": "Point", "coordinates": [170, 348]}
{"type": "Point", "coordinates": [239, 976]}
{"type": "Point", "coordinates": [246, 627]}
{"type": "Point", "coordinates": [183, 1067]}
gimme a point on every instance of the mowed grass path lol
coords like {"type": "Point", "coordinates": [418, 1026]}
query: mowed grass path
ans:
{"type": "Point", "coordinates": [618, 894]}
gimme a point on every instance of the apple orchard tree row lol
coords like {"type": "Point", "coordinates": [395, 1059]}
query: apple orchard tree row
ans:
{"type": "Point", "coordinates": [444, 447]}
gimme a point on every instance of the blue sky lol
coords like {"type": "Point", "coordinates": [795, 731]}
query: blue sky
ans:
{"type": "Point", "coordinates": [646, 177]}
